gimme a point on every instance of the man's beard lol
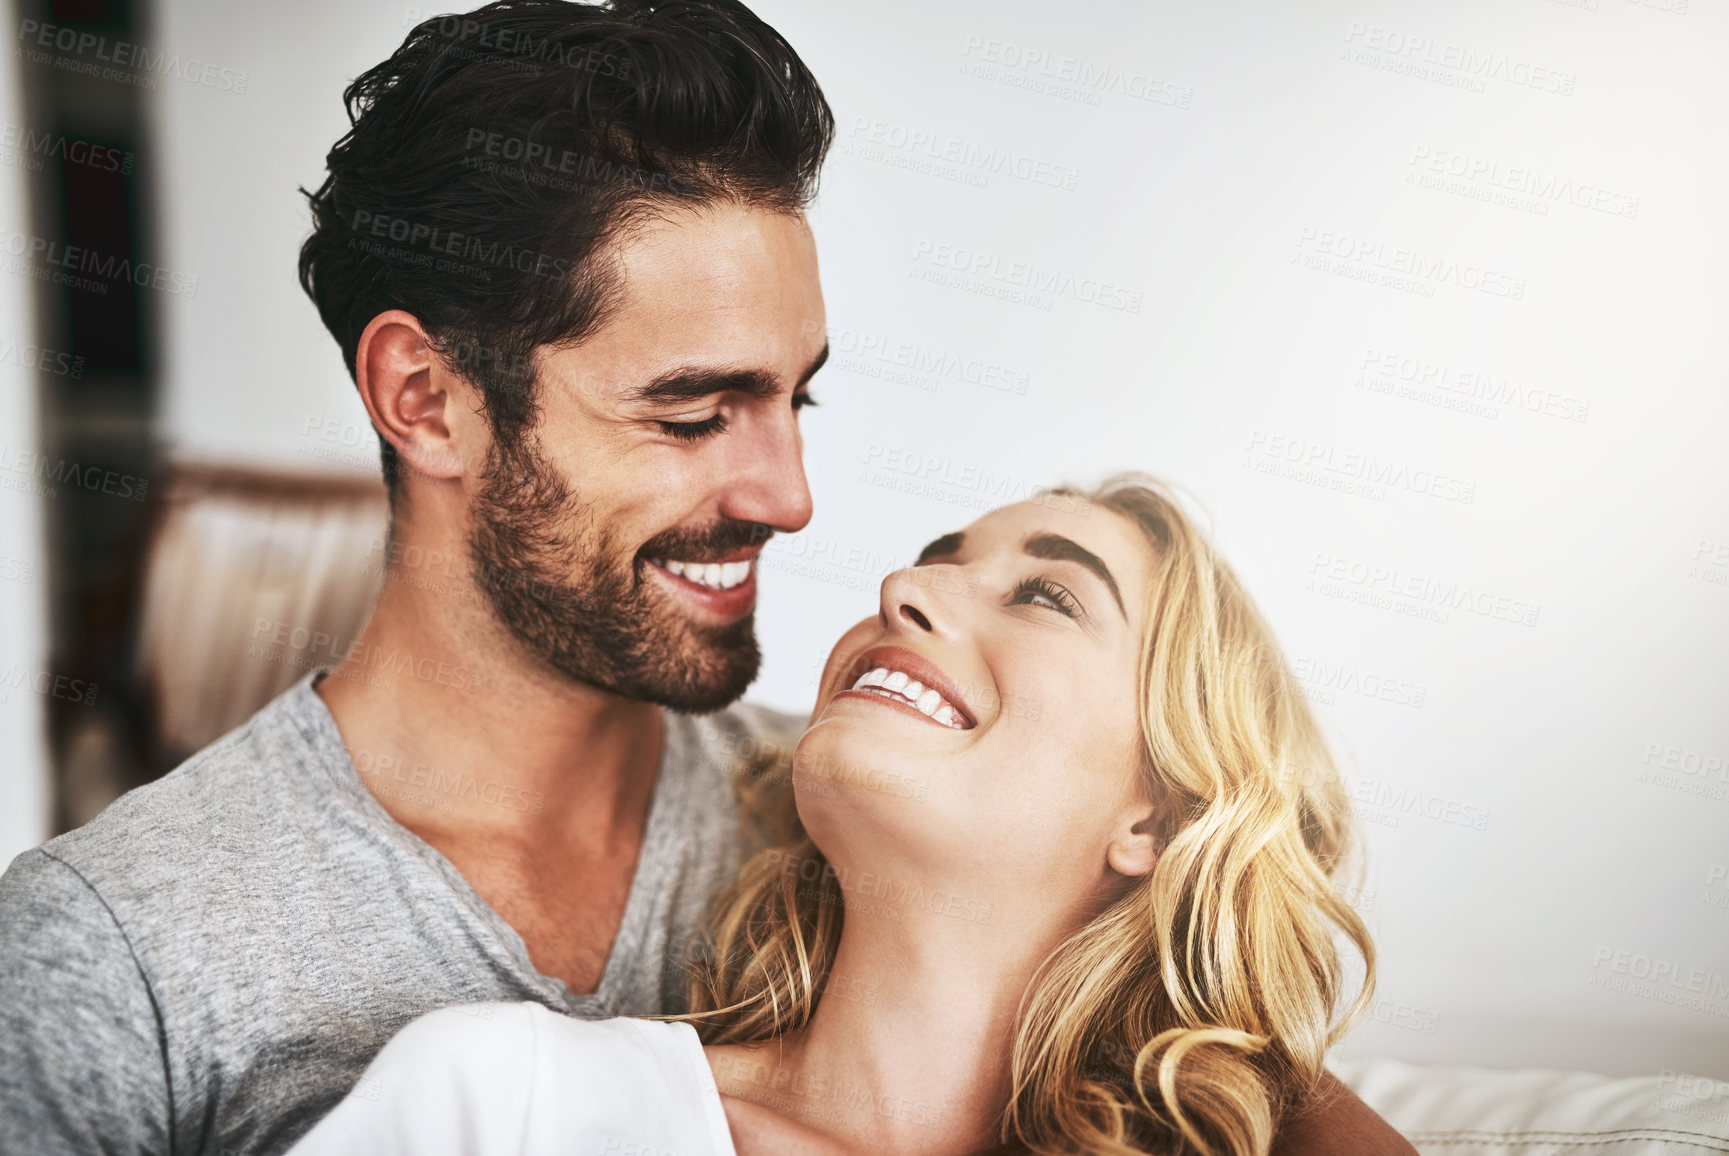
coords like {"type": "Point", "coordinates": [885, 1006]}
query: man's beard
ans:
{"type": "Point", "coordinates": [557, 582]}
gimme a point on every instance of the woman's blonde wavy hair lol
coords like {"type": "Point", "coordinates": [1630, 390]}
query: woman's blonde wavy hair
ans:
{"type": "Point", "coordinates": [1197, 1009]}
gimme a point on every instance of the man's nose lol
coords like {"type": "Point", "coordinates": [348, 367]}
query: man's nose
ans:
{"type": "Point", "coordinates": [771, 488]}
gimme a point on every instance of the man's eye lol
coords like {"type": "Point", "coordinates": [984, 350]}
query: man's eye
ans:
{"type": "Point", "coordinates": [691, 431]}
{"type": "Point", "coordinates": [1045, 593]}
{"type": "Point", "coordinates": [801, 400]}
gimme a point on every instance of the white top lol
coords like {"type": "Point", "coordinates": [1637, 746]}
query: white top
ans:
{"type": "Point", "coordinates": [515, 1079]}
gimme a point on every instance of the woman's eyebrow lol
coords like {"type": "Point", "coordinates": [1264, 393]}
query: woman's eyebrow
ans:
{"type": "Point", "coordinates": [1056, 548]}
{"type": "Point", "coordinates": [944, 547]}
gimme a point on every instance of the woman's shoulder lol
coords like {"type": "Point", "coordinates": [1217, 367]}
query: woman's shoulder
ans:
{"type": "Point", "coordinates": [529, 1042]}
{"type": "Point", "coordinates": [487, 1023]}
{"type": "Point", "coordinates": [481, 1025]}
{"type": "Point", "coordinates": [522, 1078]}
{"type": "Point", "coordinates": [523, 1033]}
{"type": "Point", "coordinates": [459, 1070]}
{"type": "Point", "coordinates": [645, 1085]}
{"type": "Point", "coordinates": [633, 1045]}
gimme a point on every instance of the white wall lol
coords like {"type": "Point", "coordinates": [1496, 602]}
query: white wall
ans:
{"type": "Point", "coordinates": [1528, 842]}
{"type": "Point", "coordinates": [252, 375]}
{"type": "Point", "coordinates": [23, 557]}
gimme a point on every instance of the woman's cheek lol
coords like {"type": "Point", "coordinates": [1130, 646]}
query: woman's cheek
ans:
{"type": "Point", "coordinates": [852, 642]}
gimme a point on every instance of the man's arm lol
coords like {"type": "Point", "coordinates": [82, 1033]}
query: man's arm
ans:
{"type": "Point", "coordinates": [81, 1062]}
{"type": "Point", "coordinates": [1334, 1122]}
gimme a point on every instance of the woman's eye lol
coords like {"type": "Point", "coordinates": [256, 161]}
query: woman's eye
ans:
{"type": "Point", "coordinates": [1046, 594]}
{"type": "Point", "coordinates": [690, 431]}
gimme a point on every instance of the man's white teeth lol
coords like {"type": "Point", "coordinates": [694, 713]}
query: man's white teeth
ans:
{"type": "Point", "coordinates": [717, 575]}
{"type": "Point", "coordinates": [896, 685]}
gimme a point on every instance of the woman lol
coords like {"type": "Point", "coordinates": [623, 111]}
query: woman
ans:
{"type": "Point", "coordinates": [1059, 879]}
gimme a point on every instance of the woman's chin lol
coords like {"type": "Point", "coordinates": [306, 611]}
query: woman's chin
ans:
{"type": "Point", "coordinates": [847, 755]}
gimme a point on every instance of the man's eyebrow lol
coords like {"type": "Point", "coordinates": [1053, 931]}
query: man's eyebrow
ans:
{"type": "Point", "coordinates": [695, 384]}
{"type": "Point", "coordinates": [944, 547]}
{"type": "Point", "coordinates": [817, 363]}
{"type": "Point", "coordinates": [1056, 548]}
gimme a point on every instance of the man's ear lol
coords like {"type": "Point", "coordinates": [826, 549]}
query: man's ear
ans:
{"type": "Point", "coordinates": [1135, 848]}
{"type": "Point", "coordinates": [408, 393]}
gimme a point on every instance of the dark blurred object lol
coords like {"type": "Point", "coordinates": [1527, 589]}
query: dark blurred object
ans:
{"type": "Point", "coordinates": [159, 576]}
{"type": "Point", "coordinates": [79, 149]}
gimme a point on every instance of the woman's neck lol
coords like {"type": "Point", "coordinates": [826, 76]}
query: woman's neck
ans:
{"type": "Point", "coordinates": [908, 1050]}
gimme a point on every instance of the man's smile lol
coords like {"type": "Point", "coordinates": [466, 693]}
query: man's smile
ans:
{"type": "Point", "coordinates": [722, 587]}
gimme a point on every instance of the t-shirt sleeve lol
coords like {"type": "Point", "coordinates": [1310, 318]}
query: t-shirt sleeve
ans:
{"type": "Point", "coordinates": [455, 1082]}
{"type": "Point", "coordinates": [81, 1060]}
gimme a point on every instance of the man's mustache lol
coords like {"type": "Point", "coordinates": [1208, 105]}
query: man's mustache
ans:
{"type": "Point", "coordinates": [705, 543]}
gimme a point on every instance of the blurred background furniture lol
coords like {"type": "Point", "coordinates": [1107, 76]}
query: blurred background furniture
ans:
{"type": "Point", "coordinates": [250, 580]}
{"type": "Point", "coordinates": [238, 560]}
{"type": "Point", "coordinates": [1451, 1111]}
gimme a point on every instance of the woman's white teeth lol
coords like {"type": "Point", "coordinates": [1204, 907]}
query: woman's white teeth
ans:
{"type": "Point", "coordinates": [896, 685]}
{"type": "Point", "coordinates": [718, 575]}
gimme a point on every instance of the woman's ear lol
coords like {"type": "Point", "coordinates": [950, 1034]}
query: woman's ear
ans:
{"type": "Point", "coordinates": [1135, 849]}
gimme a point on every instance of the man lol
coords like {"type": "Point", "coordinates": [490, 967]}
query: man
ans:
{"type": "Point", "coordinates": [563, 254]}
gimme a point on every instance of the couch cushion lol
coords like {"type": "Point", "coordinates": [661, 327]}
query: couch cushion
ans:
{"type": "Point", "coordinates": [1447, 1111]}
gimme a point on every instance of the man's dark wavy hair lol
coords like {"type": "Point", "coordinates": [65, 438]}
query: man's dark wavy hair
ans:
{"type": "Point", "coordinates": [495, 153]}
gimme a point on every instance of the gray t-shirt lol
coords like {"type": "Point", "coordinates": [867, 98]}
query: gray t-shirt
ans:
{"type": "Point", "coordinates": [209, 965]}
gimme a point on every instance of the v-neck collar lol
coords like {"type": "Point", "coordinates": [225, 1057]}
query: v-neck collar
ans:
{"type": "Point", "coordinates": [667, 815]}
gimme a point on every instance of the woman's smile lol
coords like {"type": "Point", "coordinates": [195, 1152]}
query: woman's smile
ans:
{"type": "Point", "coordinates": [908, 681]}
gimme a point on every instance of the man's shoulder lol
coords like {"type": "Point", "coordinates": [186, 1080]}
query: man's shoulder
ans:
{"type": "Point", "coordinates": [742, 736]}
{"type": "Point", "coordinates": [219, 800]}
{"type": "Point", "coordinates": [764, 725]}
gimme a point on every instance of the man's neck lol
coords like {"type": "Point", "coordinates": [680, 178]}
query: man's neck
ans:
{"type": "Point", "coordinates": [435, 682]}
{"type": "Point", "coordinates": [522, 778]}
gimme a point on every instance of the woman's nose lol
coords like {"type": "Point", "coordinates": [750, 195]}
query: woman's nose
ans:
{"type": "Point", "coordinates": [911, 603]}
